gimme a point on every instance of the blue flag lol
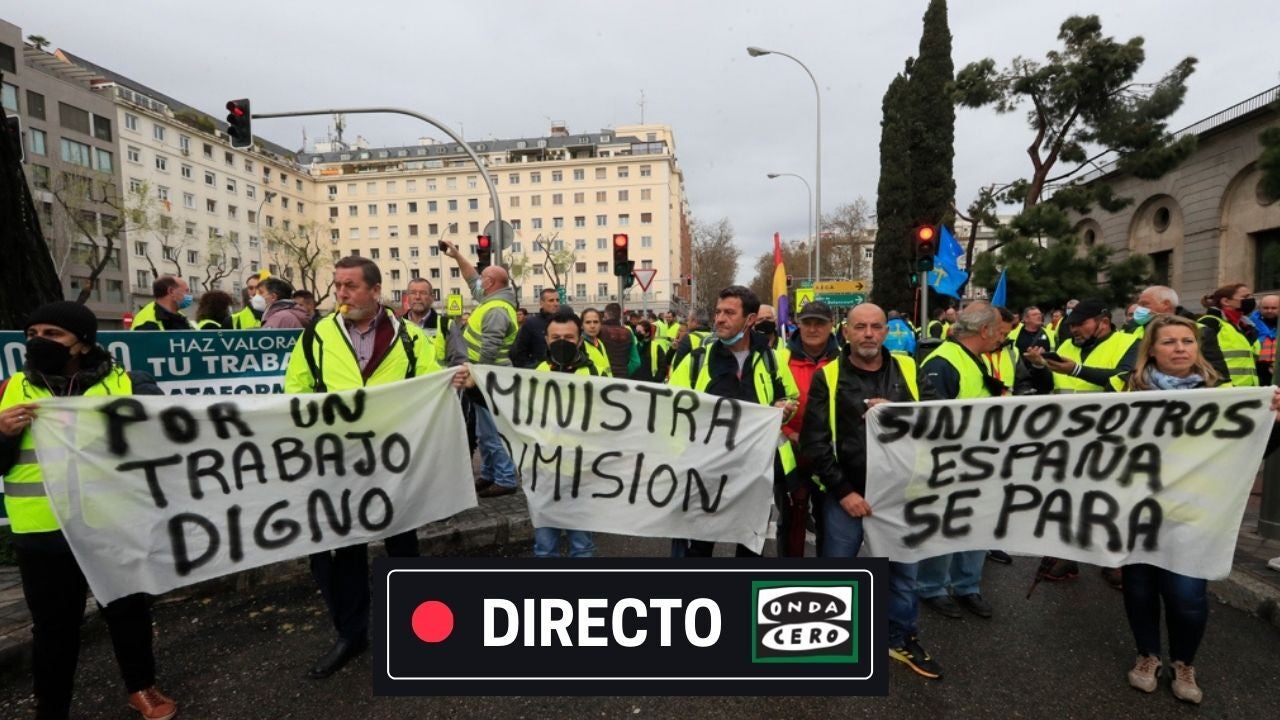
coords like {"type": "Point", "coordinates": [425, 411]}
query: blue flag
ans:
{"type": "Point", "coordinates": [999, 298]}
{"type": "Point", "coordinates": [947, 278]}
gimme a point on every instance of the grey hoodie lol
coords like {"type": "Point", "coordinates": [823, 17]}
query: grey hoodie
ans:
{"type": "Point", "coordinates": [285, 314]}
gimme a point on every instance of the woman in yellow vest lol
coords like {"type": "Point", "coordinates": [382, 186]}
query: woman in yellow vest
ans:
{"type": "Point", "coordinates": [213, 312]}
{"type": "Point", "coordinates": [1170, 358]}
{"type": "Point", "coordinates": [1228, 335]}
{"type": "Point", "coordinates": [591, 319]}
{"type": "Point", "coordinates": [64, 359]}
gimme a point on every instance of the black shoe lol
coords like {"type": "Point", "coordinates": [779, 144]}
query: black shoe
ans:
{"type": "Point", "coordinates": [975, 604]}
{"type": "Point", "coordinates": [482, 484]}
{"type": "Point", "coordinates": [945, 605]}
{"type": "Point", "coordinates": [1113, 578]}
{"type": "Point", "coordinates": [999, 556]}
{"type": "Point", "coordinates": [917, 658]}
{"type": "Point", "coordinates": [1063, 570]}
{"type": "Point", "coordinates": [495, 490]}
{"type": "Point", "coordinates": [341, 652]}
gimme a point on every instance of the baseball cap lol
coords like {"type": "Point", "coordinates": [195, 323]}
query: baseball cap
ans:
{"type": "Point", "coordinates": [1086, 309]}
{"type": "Point", "coordinates": [816, 309]}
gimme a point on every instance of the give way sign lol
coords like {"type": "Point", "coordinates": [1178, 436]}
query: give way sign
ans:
{"type": "Point", "coordinates": [644, 276]}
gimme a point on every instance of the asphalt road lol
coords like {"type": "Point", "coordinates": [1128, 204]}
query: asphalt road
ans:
{"type": "Point", "coordinates": [1062, 654]}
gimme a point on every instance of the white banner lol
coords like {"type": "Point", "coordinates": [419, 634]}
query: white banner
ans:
{"type": "Point", "coordinates": [154, 493]}
{"type": "Point", "coordinates": [1110, 479]}
{"type": "Point", "coordinates": [636, 458]}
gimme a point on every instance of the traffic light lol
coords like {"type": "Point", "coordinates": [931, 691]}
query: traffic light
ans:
{"type": "Point", "coordinates": [926, 242]}
{"type": "Point", "coordinates": [620, 266]}
{"type": "Point", "coordinates": [13, 131]}
{"type": "Point", "coordinates": [484, 252]}
{"type": "Point", "coordinates": [688, 279]}
{"type": "Point", "coordinates": [239, 127]}
{"type": "Point", "coordinates": [790, 279]}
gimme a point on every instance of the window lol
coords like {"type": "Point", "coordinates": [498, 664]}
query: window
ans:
{"type": "Point", "coordinates": [135, 185]}
{"type": "Point", "coordinates": [208, 150]}
{"type": "Point", "coordinates": [602, 196]}
{"type": "Point", "coordinates": [453, 206]}
{"type": "Point", "coordinates": [193, 256]}
{"type": "Point", "coordinates": [413, 208]}
{"type": "Point", "coordinates": [232, 210]}
{"type": "Point", "coordinates": [433, 230]}
{"type": "Point", "coordinates": [602, 243]}
{"type": "Point", "coordinates": [253, 218]}
{"type": "Point", "coordinates": [250, 191]}
{"type": "Point", "coordinates": [411, 186]}
{"type": "Point", "coordinates": [602, 221]}
{"type": "Point", "coordinates": [579, 198]}
{"type": "Point", "coordinates": [432, 206]}
{"type": "Point", "coordinates": [557, 176]}
{"type": "Point", "coordinates": [451, 183]}
{"type": "Point", "coordinates": [40, 176]}
{"type": "Point", "coordinates": [535, 177]}
{"type": "Point", "coordinates": [471, 182]}
{"type": "Point", "coordinates": [646, 218]}
{"type": "Point", "coordinates": [646, 170]}
{"type": "Point", "coordinates": [231, 185]}
{"type": "Point", "coordinates": [139, 248]}
{"type": "Point", "coordinates": [624, 220]}
{"type": "Point", "coordinates": [646, 241]}
{"type": "Point", "coordinates": [1267, 252]}
{"type": "Point", "coordinates": [473, 227]}
{"type": "Point", "coordinates": [393, 231]}
{"type": "Point", "coordinates": [375, 254]}
{"type": "Point", "coordinates": [580, 267]}
{"type": "Point", "coordinates": [413, 251]}
{"type": "Point", "coordinates": [157, 132]}
{"type": "Point", "coordinates": [580, 290]}
{"type": "Point", "coordinates": [210, 179]}
{"type": "Point", "coordinates": [229, 159]}
{"type": "Point", "coordinates": [353, 233]}
{"type": "Point", "coordinates": [134, 154]}
{"type": "Point", "coordinates": [515, 201]}
{"type": "Point", "coordinates": [162, 163]}
{"type": "Point", "coordinates": [557, 222]}
{"type": "Point", "coordinates": [624, 195]}
{"type": "Point", "coordinates": [646, 194]}
{"type": "Point", "coordinates": [601, 267]}
{"type": "Point", "coordinates": [184, 144]}
{"type": "Point", "coordinates": [580, 221]}
{"type": "Point", "coordinates": [353, 211]}
{"type": "Point", "coordinates": [395, 275]}
{"type": "Point", "coordinates": [162, 193]}
{"type": "Point", "coordinates": [535, 200]}
{"type": "Point", "coordinates": [284, 203]}
{"type": "Point", "coordinates": [602, 289]}
{"type": "Point", "coordinates": [372, 210]}
{"type": "Point", "coordinates": [39, 142]}
{"type": "Point", "coordinates": [131, 122]}
{"type": "Point", "coordinates": [391, 186]}
{"type": "Point", "coordinates": [536, 223]}
{"type": "Point", "coordinates": [435, 273]}
{"type": "Point", "coordinates": [646, 264]}
{"type": "Point", "coordinates": [333, 212]}
{"type": "Point", "coordinates": [431, 184]}
{"type": "Point", "coordinates": [248, 165]}
{"type": "Point", "coordinates": [188, 201]}
{"type": "Point", "coordinates": [453, 228]}
{"type": "Point", "coordinates": [413, 231]}
{"type": "Point", "coordinates": [190, 229]}
{"type": "Point", "coordinates": [601, 173]}
{"type": "Point", "coordinates": [395, 253]}
{"type": "Point", "coordinates": [186, 171]}
{"type": "Point", "coordinates": [77, 153]}
{"type": "Point", "coordinates": [557, 198]}
{"type": "Point", "coordinates": [579, 174]}
{"type": "Point", "coordinates": [453, 273]}
{"type": "Point", "coordinates": [513, 178]}
{"type": "Point", "coordinates": [211, 206]}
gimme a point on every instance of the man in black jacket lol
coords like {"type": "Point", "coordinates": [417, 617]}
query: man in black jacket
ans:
{"type": "Point", "coordinates": [530, 347]}
{"type": "Point", "coordinates": [865, 376]}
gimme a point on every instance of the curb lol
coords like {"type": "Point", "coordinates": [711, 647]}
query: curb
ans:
{"type": "Point", "coordinates": [1245, 592]}
{"type": "Point", "coordinates": [495, 523]}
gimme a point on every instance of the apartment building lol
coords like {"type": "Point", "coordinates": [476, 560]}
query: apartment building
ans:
{"type": "Point", "coordinates": [565, 195]}
{"type": "Point", "coordinates": [69, 136]}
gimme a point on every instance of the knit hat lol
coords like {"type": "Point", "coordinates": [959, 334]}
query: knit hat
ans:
{"type": "Point", "coordinates": [70, 316]}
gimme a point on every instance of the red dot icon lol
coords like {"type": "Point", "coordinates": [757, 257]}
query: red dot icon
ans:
{"type": "Point", "coordinates": [432, 621]}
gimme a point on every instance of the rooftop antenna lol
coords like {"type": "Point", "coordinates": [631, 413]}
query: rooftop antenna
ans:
{"type": "Point", "coordinates": [641, 106]}
{"type": "Point", "coordinates": [339, 124]}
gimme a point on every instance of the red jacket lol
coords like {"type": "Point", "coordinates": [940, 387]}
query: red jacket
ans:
{"type": "Point", "coordinates": [803, 368]}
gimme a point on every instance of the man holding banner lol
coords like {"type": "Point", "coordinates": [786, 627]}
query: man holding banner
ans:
{"type": "Point", "coordinates": [833, 440]}
{"type": "Point", "coordinates": [361, 344]}
{"type": "Point", "coordinates": [63, 358]}
{"type": "Point", "coordinates": [172, 295]}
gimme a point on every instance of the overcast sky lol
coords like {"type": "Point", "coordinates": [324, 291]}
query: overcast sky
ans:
{"type": "Point", "coordinates": [506, 69]}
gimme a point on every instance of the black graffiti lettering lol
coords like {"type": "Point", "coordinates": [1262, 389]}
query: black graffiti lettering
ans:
{"type": "Point", "coordinates": [606, 397]}
{"type": "Point", "coordinates": [704, 495]}
{"type": "Point", "coordinates": [595, 470]}
{"type": "Point", "coordinates": [333, 454]}
{"type": "Point", "coordinates": [223, 414]}
{"type": "Point", "coordinates": [257, 465]}
{"type": "Point", "coordinates": [1054, 457]}
{"type": "Point", "coordinates": [396, 441]}
{"type": "Point", "coordinates": [1243, 423]}
{"type": "Point", "coordinates": [921, 426]}
{"type": "Point", "coordinates": [914, 513]}
{"type": "Point", "coordinates": [939, 466]}
{"type": "Point", "coordinates": [1173, 415]}
{"type": "Point", "coordinates": [493, 388]}
{"type": "Point", "coordinates": [179, 425]}
{"type": "Point", "coordinates": [954, 512]}
{"type": "Point", "coordinates": [319, 499]}
{"type": "Point", "coordinates": [1144, 408]}
{"type": "Point", "coordinates": [893, 423]}
{"type": "Point", "coordinates": [684, 404]}
{"type": "Point", "coordinates": [294, 451]}
{"type": "Point", "coordinates": [994, 427]}
{"type": "Point", "coordinates": [1149, 527]}
{"type": "Point", "coordinates": [1018, 452]}
{"type": "Point", "coordinates": [1106, 520]}
{"type": "Point", "coordinates": [538, 459]}
{"type": "Point", "coordinates": [388, 512]}
{"type": "Point", "coordinates": [577, 471]}
{"type": "Point", "coordinates": [295, 412]}
{"type": "Point", "coordinates": [1011, 505]}
{"type": "Point", "coordinates": [948, 425]}
{"type": "Point", "coordinates": [588, 403]}
{"type": "Point", "coordinates": [1113, 418]}
{"type": "Point", "coordinates": [148, 468]}
{"type": "Point", "coordinates": [1143, 459]}
{"type": "Point", "coordinates": [654, 392]}
{"type": "Point", "coordinates": [635, 480]}
{"type": "Point", "coordinates": [1202, 419]}
{"type": "Point", "coordinates": [564, 413]}
{"type": "Point", "coordinates": [532, 397]}
{"type": "Point", "coordinates": [729, 422]}
{"type": "Point", "coordinates": [1082, 420]}
{"type": "Point", "coordinates": [1042, 421]}
{"type": "Point", "coordinates": [183, 563]}
{"type": "Point", "coordinates": [1089, 465]}
{"type": "Point", "coordinates": [234, 543]}
{"type": "Point", "coordinates": [653, 477]}
{"type": "Point", "coordinates": [1060, 514]}
{"type": "Point", "coordinates": [365, 466]}
{"type": "Point", "coordinates": [335, 407]}
{"type": "Point", "coordinates": [196, 470]}
{"type": "Point", "coordinates": [982, 470]}
{"type": "Point", "coordinates": [120, 414]}
{"type": "Point", "coordinates": [286, 530]}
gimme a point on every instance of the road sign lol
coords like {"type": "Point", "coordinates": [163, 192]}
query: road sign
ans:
{"type": "Point", "coordinates": [454, 306]}
{"type": "Point", "coordinates": [840, 286]}
{"type": "Point", "coordinates": [645, 277]}
{"type": "Point", "coordinates": [842, 300]}
{"type": "Point", "coordinates": [564, 295]}
{"type": "Point", "coordinates": [505, 238]}
{"type": "Point", "coordinates": [804, 296]}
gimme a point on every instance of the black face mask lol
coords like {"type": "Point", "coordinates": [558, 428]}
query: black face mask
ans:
{"type": "Point", "coordinates": [47, 357]}
{"type": "Point", "coordinates": [1247, 306]}
{"type": "Point", "coordinates": [766, 327]}
{"type": "Point", "coordinates": [562, 353]}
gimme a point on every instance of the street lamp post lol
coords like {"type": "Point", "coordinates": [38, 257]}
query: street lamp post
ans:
{"type": "Point", "coordinates": [808, 227]}
{"type": "Point", "coordinates": [817, 192]}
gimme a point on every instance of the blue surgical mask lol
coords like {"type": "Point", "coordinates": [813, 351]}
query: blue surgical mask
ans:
{"type": "Point", "coordinates": [1142, 316]}
{"type": "Point", "coordinates": [734, 340]}
{"type": "Point", "coordinates": [186, 301]}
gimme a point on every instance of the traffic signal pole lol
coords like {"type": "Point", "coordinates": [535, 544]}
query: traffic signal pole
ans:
{"type": "Point", "coordinates": [484, 173]}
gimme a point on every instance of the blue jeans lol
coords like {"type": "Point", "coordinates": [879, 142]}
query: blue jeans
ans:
{"type": "Point", "coordinates": [1186, 610]}
{"type": "Point", "coordinates": [843, 539]}
{"type": "Point", "coordinates": [495, 463]}
{"type": "Point", "coordinates": [960, 571]}
{"type": "Point", "coordinates": [546, 543]}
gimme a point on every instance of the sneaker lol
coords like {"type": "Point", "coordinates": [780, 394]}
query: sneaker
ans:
{"type": "Point", "coordinates": [999, 556]}
{"type": "Point", "coordinates": [153, 705]}
{"type": "Point", "coordinates": [1274, 563]}
{"type": "Point", "coordinates": [1184, 683]}
{"type": "Point", "coordinates": [1113, 578]}
{"type": "Point", "coordinates": [1063, 570]}
{"type": "Point", "coordinates": [1145, 673]}
{"type": "Point", "coordinates": [495, 490]}
{"type": "Point", "coordinates": [945, 605]}
{"type": "Point", "coordinates": [974, 603]}
{"type": "Point", "coordinates": [917, 658]}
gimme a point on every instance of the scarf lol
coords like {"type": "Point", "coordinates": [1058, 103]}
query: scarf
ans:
{"type": "Point", "coordinates": [1160, 380]}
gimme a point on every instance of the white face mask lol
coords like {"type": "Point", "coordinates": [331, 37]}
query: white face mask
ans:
{"type": "Point", "coordinates": [257, 302]}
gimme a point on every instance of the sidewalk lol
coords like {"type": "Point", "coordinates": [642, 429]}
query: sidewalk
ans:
{"type": "Point", "coordinates": [1252, 586]}
{"type": "Point", "coordinates": [496, 522]}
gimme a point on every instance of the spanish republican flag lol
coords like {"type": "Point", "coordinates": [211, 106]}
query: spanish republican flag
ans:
{"type": "Point", "coordinates": [780, 283]}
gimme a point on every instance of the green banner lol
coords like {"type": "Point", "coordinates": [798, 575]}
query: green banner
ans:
{"type": "Point", "coordinates": [197, 362]}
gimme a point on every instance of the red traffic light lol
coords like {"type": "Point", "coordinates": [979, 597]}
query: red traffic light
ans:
{"type": "Point", "coordinates": [482, 242]}
{"type": "Point", "coordinates": [235, 109]}
{"type": "Point", "coordinates": [620, 240]}
{"type": "Point", "coordinates": [926, 241]}
{"type": "Point", "coordinates": [239, 123]}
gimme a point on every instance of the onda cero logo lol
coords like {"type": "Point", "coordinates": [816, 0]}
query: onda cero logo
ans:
{"type": "Point", "coordinates": [812, 622]}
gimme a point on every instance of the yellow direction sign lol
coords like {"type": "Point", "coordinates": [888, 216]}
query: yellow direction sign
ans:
{"type": "Point", "coordinates": [804, 296]}
{"type": "Point", "coordinates": [454, 306]}
{"type": "Point", "coordinates": [840, 286]}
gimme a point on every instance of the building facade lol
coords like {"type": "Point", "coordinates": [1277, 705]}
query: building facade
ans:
{"type": "Point", "coordinates": [69, 138]}
{"type": "Point", "coordinates": [1207, 223]}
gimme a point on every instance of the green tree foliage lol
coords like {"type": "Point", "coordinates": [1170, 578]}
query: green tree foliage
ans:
{"type": "Point", "coordinates": [932, 121]}
{"type": "Point", "coordinates": [1269, 162]}
{"type": "Point", "coordinates": [893, 256]}
{"type": "Point", "coordinates": [1050, 276]}
{"type": "Point", "coordinates": [795, 255]}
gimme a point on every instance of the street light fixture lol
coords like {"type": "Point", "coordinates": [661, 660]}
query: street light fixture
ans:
{"type": "Point", "coordinates": [774, 176]}
{"type": "Point", "coordinates": [817, 193]}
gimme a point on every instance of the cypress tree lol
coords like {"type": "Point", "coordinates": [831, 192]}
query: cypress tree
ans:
{"type": "Point", "coordinates": [893, 250]}
{"type": "Point", "coordinates": [933, 121]}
